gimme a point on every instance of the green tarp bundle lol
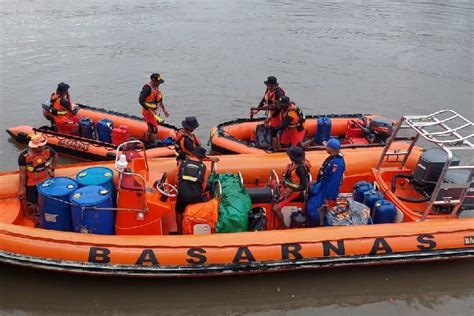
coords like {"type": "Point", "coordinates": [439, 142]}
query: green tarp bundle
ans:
{"type": "Point", "coordinates": [234, 205]}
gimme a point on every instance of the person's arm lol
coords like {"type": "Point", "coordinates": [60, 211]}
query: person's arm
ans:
{"type": "Point", "coordinates": [22, 175]}
{"type": "Point", "coordinates": [188, 144]}
{"type": "Point", "coordinates": [162, 107]}
{"type": "Point", "coordinates": [146, 90]}
{"type": "Point", "coordinates": [65, 103]}
{"type": "Point", "coordinates": [286, 122]}
{"type": "Point", "coordinates": [54, 162]}
{"type": "Point", "coordinates": [279, 93]}
{"type": "Point", "coordinates": [303, 175]}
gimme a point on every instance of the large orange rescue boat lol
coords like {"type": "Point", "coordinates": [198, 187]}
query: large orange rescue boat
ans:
{"type": "Point", "coordinates": [433, 220]}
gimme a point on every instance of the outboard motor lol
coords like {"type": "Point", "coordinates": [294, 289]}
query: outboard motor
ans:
{"type": "Point", "coordinates": [426, 174]}
{"type": "Point", "coordinates": [46, 106]}
{"type": "Point", "coordinates": [380, 130]}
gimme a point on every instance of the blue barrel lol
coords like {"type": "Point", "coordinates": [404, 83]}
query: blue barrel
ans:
{"type": "Point", "coordinates": [86, 128]}
{"type": "Point", "coordinates": [323, 130]}
{"type": "Point", "coordinates": [97, 176]}
{"type": "Point", "coordinates": [384, 212]}
{"type": "Point", "coordinates": [54, 213]}
{"type": "Point", "coordinates": [87, 215]}
{"type": "Point", "coordinates": [372, 196]}
{"type": "Point", "coordinates": [104, 130]}
{"type": "Point", "coordinates": [359, 189]}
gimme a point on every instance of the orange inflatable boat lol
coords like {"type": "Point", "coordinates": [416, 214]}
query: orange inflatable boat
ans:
{"type": "Point", "coordinates": [429, 220]}
{"type": "Point", "coordinates": [94, 149]}
{"type": "Point", "coordinates": [354, 131]}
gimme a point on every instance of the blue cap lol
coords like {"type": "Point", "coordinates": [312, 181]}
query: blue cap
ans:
{"type": "Point", "coordinates": [333, 143]}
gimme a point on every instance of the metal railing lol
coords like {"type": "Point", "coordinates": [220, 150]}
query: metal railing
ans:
{"type": "Point", "coordinates": [444, 129]}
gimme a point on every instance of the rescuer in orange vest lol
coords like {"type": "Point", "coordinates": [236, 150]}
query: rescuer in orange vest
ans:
{"type": "Point", "coordinates": [37, 163]}
{"type": "Point", "coordinates": [63, 111]}
{"type": "Point", "coordinates": [151, 100]}
{"type": "Point", "coordinates": [292, 129]}
{"type": "Point", "coordinates": [272, 94]}
{"type": "Point", "coordinates": [186, 140]}
{"type": "Point", "coordinates": [295, 182]}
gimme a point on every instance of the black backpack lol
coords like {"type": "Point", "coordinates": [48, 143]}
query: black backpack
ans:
{"type": "Point", "coordinates": [263, 136]}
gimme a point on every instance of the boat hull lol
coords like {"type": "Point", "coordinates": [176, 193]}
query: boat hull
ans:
{"type": "Point", "coordinates": [87, 149]}
{"type": "Point", "coordinates": [235, 137]}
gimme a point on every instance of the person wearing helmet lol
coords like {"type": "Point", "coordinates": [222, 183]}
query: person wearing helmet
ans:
{"type": "Point", "coordinates": [326, 188]}
{"type": "Point", "coordinates": [63, 111]}
{"type": "Point", "coordinates": [36, 163]}
{"type": "Point", "coordinates": [151, 100]}
{"type": "Point", "coordinates": [295, 182]}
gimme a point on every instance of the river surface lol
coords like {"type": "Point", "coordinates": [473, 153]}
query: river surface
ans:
{"type": "Point", "coordinates": [384, 57]}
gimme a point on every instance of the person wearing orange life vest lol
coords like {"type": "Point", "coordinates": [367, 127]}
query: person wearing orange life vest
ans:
{"type": "Point", "coordinates": [186, 140]}
{"type": "Point", "coordinates": [191, 182]}
{"type": "Point", "coordinates": [295, 182]}
{"type": "Point", "coordinates": [63, 111]}
{"type": "Point", "coordinates": [151, 100]}
{"type": "Point", "coordinates": [36, 163]}
{"type": "Point", "coordinates": [292, 129]}
{"type": "Point", "coordinates": [272, 94]}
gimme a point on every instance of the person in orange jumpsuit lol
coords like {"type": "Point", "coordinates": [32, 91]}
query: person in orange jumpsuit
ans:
{"type": "Point", "coordinates": [63, 111]}
{"type": "Point", "coordinates": [151, 100]}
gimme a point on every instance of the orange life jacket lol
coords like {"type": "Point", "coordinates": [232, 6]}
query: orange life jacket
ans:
{"type": "Point", "coordinates": [56, 104]}
{"type": "Point", "coordinates": [37, 167]}
{"type": "Point", "coordinates": [290, 178]}
{"type": "Point", "coordinates": [270, 99]}
{"type": "Point", "coordinates": [180, 138]}
{"type": "Point", "coordinates": [154, 98]}
{"type": "Point", "coordinates": [296, 115]}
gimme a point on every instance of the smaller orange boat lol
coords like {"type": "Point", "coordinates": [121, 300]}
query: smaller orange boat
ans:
{"type": "Point", "coordinates": [426, 213]}
{"type": "Point", "coordinates": [354, 131]}
{"type": "Point", "coordinates": [92, 149]}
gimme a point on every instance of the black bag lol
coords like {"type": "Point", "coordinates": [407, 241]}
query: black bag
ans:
{"type": "Point", "coordinates": [263, 136]}
{"type": "Point", "coordinates": [257, 219]}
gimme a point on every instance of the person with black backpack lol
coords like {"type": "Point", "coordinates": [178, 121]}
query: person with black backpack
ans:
{"type": "Point", "coordinates": [192, 182]}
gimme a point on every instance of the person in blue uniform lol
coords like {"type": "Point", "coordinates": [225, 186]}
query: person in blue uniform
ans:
{"type": "Point", "coordinates": [326, 188]}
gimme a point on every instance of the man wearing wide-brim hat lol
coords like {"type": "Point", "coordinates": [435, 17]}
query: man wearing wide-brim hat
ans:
{"type": "Point", "coordinates": [36, 163]}
{"type": "Point", "coordinates": [295, 182]}
{"type": "Point", "coordinates": [186, 140]}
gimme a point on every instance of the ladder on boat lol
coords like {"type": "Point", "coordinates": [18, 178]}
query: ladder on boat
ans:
{"type": "Point", "coordinates": [450, 132]}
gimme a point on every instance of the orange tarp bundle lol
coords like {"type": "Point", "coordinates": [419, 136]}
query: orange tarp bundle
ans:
{"type": "Point", "coordinates": [200, 213]}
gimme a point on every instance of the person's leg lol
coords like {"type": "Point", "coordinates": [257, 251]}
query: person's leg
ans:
{"type": "Point", "coordinates": [279, 216]}
{"type": "Point", "coordinates": [179, 222]}
{"type": "Point", "coordinates": [32, 203]}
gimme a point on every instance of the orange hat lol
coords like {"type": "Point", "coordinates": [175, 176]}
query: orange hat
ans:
{"type": "Point", "coordinates": [37, 140]}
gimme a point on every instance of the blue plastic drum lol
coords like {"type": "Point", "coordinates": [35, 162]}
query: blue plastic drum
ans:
{"type": "Point", "coordinates": [53, 202]}
{"type": "Point", "coordinates": [92, 211]}
{"type": "Point", "coordinates": [359, 189]}
{"type": "Point", "coordinates": [97, 176]}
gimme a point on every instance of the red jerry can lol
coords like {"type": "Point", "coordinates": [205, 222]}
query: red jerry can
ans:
{"type": "Point", "coordinates": [119, 135]}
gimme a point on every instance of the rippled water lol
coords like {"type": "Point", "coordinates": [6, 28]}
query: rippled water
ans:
{"type": "Point", "coordinates": [392, 58]}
